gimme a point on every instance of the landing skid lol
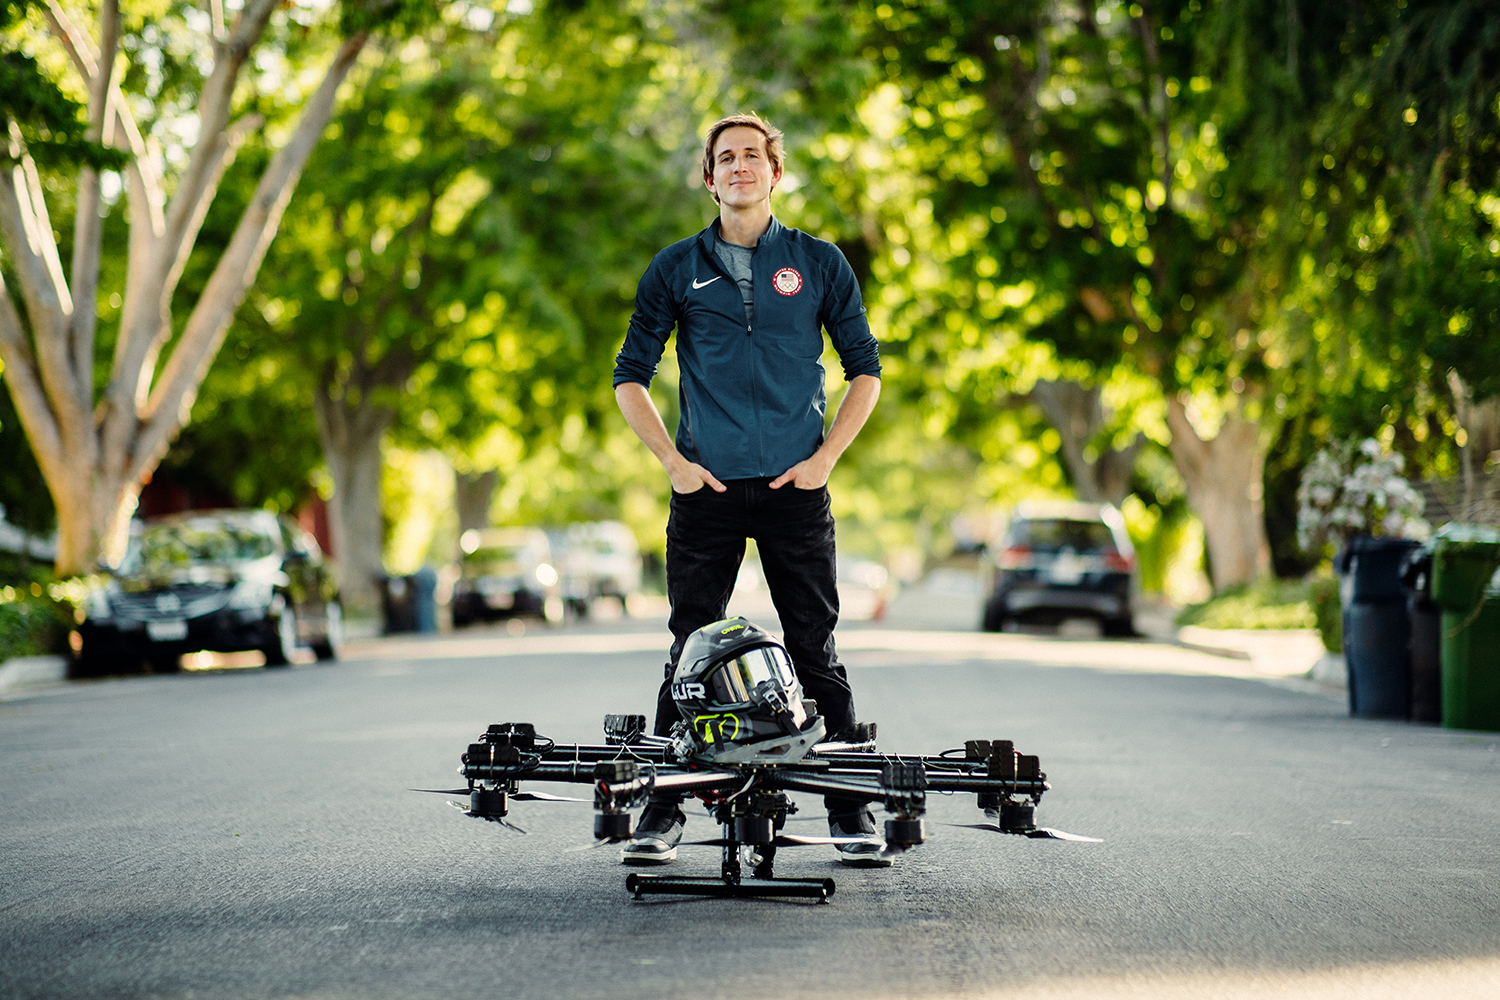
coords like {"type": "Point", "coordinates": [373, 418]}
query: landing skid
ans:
{"type": "Point", "coordinates": [682, 885]}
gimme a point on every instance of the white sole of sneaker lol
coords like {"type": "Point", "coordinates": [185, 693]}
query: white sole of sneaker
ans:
{"type": "Point", "coordinates": [627, 857]}
{"type": "Point", "coordinates": [878, 861]}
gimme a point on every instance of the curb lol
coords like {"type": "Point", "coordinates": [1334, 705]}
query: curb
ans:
{"type": "Point", "coordinates": [1228, 652]}
{"type": "Point", "coordinates": [26, 671]}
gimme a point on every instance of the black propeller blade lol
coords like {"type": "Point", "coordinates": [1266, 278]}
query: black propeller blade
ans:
{"type": "Point", "coordinates": [1047, 833]}
{"type": "Point", "coordinates": [544, 797]}
{"type": "Point", "coordinates": [1038, 833]}
{"type": "Point", "coordinates": [515, 796]}
{"type": "Point", "coordinates": [493, 819]}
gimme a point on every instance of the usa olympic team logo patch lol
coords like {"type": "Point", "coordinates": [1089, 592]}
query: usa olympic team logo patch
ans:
{"type": "Point", "coordinates": [787, 281]}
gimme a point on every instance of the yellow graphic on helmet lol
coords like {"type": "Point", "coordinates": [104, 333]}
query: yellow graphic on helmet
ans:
{"type": "Point", "coordinates": [723, 727]}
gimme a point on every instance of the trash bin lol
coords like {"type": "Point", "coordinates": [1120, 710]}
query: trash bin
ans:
{"type": "Point", "coordinates": [1377, 628]}
{"type": "Point", "coordinates": [1464, 561]}
{"type": "Point", "coordinates": [1426, 631]}
{"type": "Point", "coordinates": [424, 599]}
{"type": "Point", "coordinates": [398, 604]}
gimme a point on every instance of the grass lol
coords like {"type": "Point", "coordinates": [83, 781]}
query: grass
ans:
{"type": "Point", "coordinates": [1268, 604]}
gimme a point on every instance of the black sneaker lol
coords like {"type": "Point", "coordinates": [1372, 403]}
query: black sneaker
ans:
{"type": "Point", "coordinates": [656, 836]}
{"type": "Point", "coordinates": [870, 851]}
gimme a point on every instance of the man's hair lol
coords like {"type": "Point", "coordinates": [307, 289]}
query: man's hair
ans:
{"type": "Point", "coordinates": [774, 136]}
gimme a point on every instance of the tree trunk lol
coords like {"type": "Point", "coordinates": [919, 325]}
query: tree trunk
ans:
{"type": "Point", "coordinates": [351, 434]}
{"type": "Point", "coordinates": [1101, 474]}
{"type": "Point", "coordinates": [1223, 476]}
{"type": "Point", "coordinates": [473, 493]}
{"type": "Point", "coordinates": [96, 458]}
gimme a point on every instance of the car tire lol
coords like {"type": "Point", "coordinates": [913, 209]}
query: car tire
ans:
{"type": "Point", "coordinates": [165, 663]}
{"type": "Point", "coordinates": [327, 647]}
{"type": "Point", "coordinates": [994, 616]}
{"type": "Point", "coordinates": [279, 650]}
{"type": "Point", "coordinates": [94, 664]}
{"type": "Point", "coordinates": [1119, 628]}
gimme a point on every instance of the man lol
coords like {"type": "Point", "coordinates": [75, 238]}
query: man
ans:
{"type": "Point", "coordinates": [750, 299]}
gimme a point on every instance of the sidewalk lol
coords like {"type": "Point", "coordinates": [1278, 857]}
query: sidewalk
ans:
{"type": "Point", "coordinates": [939, 615]}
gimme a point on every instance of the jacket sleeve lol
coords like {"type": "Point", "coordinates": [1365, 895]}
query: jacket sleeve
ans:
{"type": "Point", "coordinates": [843, 316]}
{"type": "Point", "coordinates": [650, 326]}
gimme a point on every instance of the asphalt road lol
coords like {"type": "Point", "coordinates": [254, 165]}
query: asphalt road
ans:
{"type": "Point", "coordinates": [247, 833]}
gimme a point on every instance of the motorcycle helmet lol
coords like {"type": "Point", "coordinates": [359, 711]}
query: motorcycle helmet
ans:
{"type": "Point", "coordinates": [740, 698]}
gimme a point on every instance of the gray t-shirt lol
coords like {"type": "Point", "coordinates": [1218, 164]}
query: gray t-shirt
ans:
{"type": "Point", "coordinates": [736, 260]}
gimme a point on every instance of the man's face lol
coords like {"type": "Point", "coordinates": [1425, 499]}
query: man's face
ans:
{"type": "Point", "coordinates": [743, 175]}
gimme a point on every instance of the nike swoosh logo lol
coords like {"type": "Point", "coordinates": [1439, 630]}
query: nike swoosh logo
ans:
{"type": "Point", "coordinates": [699, 284]}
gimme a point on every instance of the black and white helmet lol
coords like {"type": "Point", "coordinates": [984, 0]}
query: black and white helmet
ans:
{"type": "Point", "coordinates": [739, 696]}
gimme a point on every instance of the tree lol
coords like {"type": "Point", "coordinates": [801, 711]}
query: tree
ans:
{"type": "Point", "coordinates": [95, 453]}
{"type": "Point", "coordinates": [459, 267]}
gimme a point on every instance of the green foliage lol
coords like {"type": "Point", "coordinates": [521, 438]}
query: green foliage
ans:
{"type": "Point", "coordinates": [51, 124]}
{"type": "Point", "coordinates": [1223, 198]}
{"type": "Point", "coordinates": [27, 505]}
{"type": "Point", "coordinates": [32, 626]}
{"type": "Point", "coordinates": [1328, 609]}
{"type": "Point", "coordinates": [1267, 604]}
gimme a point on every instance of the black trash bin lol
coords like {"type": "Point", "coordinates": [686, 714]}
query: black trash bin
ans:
{"type": "Point", "coordinates": [1426, 638]}
{"type": "Point", "coordinates": [1377, 629]}
{"type": "Point", "coordinates": [398, 604]}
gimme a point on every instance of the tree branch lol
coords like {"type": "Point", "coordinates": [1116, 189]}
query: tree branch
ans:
{"type": "Point", "coordinates": [27, 237]}
{"type": "Point", "coordinates": [88, 228]}
{"type": "Point", "coordinates": [26, 392]}
{"type": "Point", "coordinates": [1159, 98]}
{"type": "Point", "coordinates": [166, 409]}
{"type": "Point", "coordinates": [198, 180]}
{"type": "Point", "coordinates": [1187, 446]}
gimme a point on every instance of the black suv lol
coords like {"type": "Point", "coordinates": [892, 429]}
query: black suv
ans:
{"type": "Point", "coordinates": [1063, 560]}
{"type": "Point", "coordinates": [223, 580]}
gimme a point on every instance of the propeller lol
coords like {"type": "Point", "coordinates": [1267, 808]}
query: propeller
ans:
{"type": "Point", "coordinates": [514, 796]}
{"type": "Point", "coordinates": [545, 797]}
{"type": "Point", "coordinates": [493, 819]}
{"type": "Point", "coordinates": [590, 847]}
{"type": "Point", "coordinates": [1037, 833]}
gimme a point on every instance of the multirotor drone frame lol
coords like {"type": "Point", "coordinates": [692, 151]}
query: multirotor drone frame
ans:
{"type": "Point", "coordinates": [749, 800]}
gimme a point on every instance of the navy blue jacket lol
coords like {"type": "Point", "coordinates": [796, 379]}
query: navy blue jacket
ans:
{"type": "Point", "coordinates": [752, 398]}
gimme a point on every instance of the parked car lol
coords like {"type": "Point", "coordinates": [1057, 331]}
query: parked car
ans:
{"type": "Point", "coordinates": [504, 573]}
{"type": "Point", "coordinates": [224, 580]}
{"type": "Point", "coordinates": [1062, 560]}
{"type": "Point", "coordinates": [598, 559]}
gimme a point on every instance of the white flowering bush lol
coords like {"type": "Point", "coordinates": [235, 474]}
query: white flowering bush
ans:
{"type": "Point", "coordinates": [1356, 489]}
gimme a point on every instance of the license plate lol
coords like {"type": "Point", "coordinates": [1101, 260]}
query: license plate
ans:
{"type": "Point", "coordinates": [1066, 570]}
{"type": "Point", "coordinates": [168, 631]}
{"type": "Point", "coordinates": [500, 602]}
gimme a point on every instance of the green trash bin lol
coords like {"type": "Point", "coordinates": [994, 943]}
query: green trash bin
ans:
{"type": "Point", "coordinates": [1464, 561]}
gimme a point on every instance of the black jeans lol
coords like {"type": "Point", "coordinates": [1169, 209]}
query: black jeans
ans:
{"type": "Point", "coordinates": [794, 531]}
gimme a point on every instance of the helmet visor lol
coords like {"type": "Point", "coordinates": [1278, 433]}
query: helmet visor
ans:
{"type": "Point", "coordinates": [732, 682]}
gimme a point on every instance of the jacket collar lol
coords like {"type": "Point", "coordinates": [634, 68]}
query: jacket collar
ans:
{"type": "Point", "coordinates": [711, 233]}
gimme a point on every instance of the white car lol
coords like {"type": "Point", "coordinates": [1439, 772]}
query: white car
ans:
{"type": "Point", "coordinates": [599, 559]}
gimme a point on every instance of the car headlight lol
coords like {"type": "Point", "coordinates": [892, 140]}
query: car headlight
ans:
{"type": "Point", "coordinates": [96, 605]}
{"type": "Point", "coordinates": [251, 594]}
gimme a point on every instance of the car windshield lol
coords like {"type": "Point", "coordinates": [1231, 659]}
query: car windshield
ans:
{"type": "Point", "coordinates": [196, 542]}
{"type": "Point", "coordinates": [494, 559]}
{"type": "Point", "coordinates": [1061, 533]}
